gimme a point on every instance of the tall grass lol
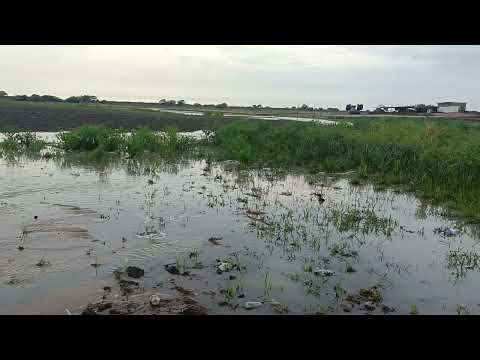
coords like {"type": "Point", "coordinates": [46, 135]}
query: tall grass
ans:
{"type": "Point", "coordinates": [439, 160]}
{"type": "Point", "coordinates": [21, 142]}
{"type": "Point", "coordinates": [140, 142]}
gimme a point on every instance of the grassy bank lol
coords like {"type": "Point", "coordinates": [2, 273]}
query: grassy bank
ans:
{"type": "Point", "coordinates": [438, 160]}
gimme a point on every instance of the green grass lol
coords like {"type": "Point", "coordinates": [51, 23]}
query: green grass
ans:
{"type": "Point", "coordinates": [21, 142]}
{"type": "Point", "coordinates": [142, 141]}
{"type": "Point", "coordinates": [438, 160]}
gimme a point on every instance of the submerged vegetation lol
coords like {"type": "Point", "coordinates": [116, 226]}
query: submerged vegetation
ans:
{"type": "Point", "coordinates": [21, 142]}
{"type": "Point", "coordinates": [438, 160]}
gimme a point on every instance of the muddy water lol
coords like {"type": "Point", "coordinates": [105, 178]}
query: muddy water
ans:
{"type": "Point", "coordinates": [87, 221]}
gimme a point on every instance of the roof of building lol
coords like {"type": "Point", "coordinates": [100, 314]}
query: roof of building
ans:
{"type": "Point", "coordinates": [451, 103]}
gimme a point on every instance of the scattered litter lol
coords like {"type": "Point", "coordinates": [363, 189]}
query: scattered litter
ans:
{"type": "Point", "coordinates": [249, 305]}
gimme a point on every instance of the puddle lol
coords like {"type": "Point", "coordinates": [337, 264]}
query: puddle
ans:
{"type": "Point", "coordinates": [289, 243]}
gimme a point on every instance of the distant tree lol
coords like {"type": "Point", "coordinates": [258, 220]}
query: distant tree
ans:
{"type": "Point", "coordinates": [222, 105]}
{"type": "Point", "coordinates": [82, 99]}
{"type": "Point", "coordinates": [293, 108]}
{"type": "Point", "coordinates": [171, 102]}
{"type": "Point", "coordinates": [333, 109]}
{"type": "Point", "coordinates": [3, 93]}
{"type": "Point", "coordinates": [348, 107]}
{"type": "Point", "coordinates": [21, 97]}
{"type": "Point", "coordinates": [181, 102]}
{"type": "Point", "coordinates": [304, 107]}
{"type": "Point", "coordinates": [44, 98]}
{"type": "Point", "coordinates": [163, 101]}
{"type": "Point", "coordinates": [197, 104]}
{"type": "Point", "coordinates": [360, 107]}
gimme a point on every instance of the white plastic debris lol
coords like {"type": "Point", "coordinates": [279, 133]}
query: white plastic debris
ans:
{"type": "Point", "coordinates": [323, 272]}
{"type": "Point", "coordinates": [154, 300]}
{"type": "Point", "coordinates": [249, 305]}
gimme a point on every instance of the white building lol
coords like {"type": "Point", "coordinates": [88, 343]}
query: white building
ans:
{"type": "Point", "coordinates": [452, 107]}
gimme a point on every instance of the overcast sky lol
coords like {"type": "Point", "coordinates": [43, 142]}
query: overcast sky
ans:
{"type": "Point", "coordinates": [245, 75]}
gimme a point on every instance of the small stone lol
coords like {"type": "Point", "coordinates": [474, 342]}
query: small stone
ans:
{"type": "Point", "coordinates": [232, 277]}
{"type": "Point", "coordinates": [347, 308]}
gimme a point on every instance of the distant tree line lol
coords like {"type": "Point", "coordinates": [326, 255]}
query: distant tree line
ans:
{"type": "Point", "coordinates": [165, 102]}
{"type": "Point", "coordinates": [3, 93]}
{"type": "Point", "coordinates": [89, 99]}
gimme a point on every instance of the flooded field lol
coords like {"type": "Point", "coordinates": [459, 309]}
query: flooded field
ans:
{"type": "Point", "coordinates": [237, 241]}
{"type": "Point", "coordinates": [260, 117]}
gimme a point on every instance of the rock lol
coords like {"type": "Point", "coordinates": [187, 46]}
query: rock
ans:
{"type": "Point", "coordinates": [350, 269]}
{"type": "Point", "coordinates": [215, 240]}
{"type": "Point", "coordinates": [134, 272]}
{"type": "Point", "coordinates": [208, 292]}
{"type": "Point", "coordinates": [184, 291]}
{"type": "Point", "coordinates": [128, 286]}
{"type": "Point", "coordinates": [232, 277]}
{"type": "Point", "coordinates": [369, 305]}
{"type": "Point", "coordinates": [249, 305]}
{"type": "Point", "coordinates": [387, 309]}
{"type": "Point", "coordinates": [155, 300]}
{"type": "Point", "coordinates": [150, 182]}
{"type": "Point", "coordinates": [107, 289]}
{"type": "Point", "coordinates": [323, 272]}
{"type": "Point", "coordinates": [173, 269]}
{"type": "Point", "coordinates": [347, 307]}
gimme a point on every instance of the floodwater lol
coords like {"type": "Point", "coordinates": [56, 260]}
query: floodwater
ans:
{"type": "Point", "coordinates": [83, 221]}
{"type": "Point", "coordinates": [261, 117]}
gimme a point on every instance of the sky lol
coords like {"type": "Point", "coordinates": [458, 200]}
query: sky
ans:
{"type": "Point", "coordinates": [271, 75]}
